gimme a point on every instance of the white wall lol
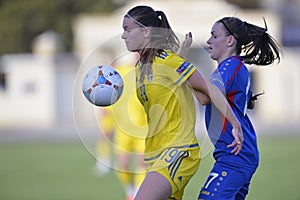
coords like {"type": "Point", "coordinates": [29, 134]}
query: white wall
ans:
{"type": "Point", "coordinates": [28, 99]}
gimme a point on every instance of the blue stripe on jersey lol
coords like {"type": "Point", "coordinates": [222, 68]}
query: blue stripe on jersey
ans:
{"type": "Point", "coordinates": [188, 70]}
{"type": "Point", "coordinates": [152, 158]}
{"type": "Point", "coordinates": [163, 55]}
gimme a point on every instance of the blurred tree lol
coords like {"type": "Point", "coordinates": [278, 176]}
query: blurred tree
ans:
{"type": "Point", "coordinates": [21, 20]}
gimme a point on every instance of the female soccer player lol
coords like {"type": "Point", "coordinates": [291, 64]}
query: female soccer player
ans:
{"type": "Point", "coordinates": [164, 83]}
{"type": "Point", "coordinates": [231, 174]}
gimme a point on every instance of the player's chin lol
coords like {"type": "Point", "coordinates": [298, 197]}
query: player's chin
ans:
{"type": "Point", "coordinates": [210, 53]}
{"type": "Point", "coordinates": [131, 48]}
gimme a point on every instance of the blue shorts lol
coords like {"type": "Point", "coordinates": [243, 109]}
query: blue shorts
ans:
{"type": "Point", "coordinates": [227, 182]}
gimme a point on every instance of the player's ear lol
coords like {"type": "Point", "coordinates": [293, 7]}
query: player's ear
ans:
{"type": "Point", "coordinates": [231, 40]}
{"type": "Point", "coordinates": [147, 32]}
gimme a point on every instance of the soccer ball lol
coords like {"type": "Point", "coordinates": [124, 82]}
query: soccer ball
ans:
{"type": "Point", "coordinates": [102, 85]}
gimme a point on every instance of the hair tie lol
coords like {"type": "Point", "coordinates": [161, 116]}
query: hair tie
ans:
{"type": "Point", "coordinates": [227, 28]}
{"type": "Point", "coordinates": [266, 28]}
{"type": "Point", "coordinates": [158, 14]}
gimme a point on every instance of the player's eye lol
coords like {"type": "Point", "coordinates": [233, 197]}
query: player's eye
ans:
{"type": "Point", "coordinates": [126, 29]}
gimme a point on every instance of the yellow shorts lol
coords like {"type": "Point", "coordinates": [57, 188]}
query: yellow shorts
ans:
{"type": "Point", "coordinates": [178, 166]}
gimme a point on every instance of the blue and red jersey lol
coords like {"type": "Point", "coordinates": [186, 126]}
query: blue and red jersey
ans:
{"type": "Point", "coordinates": [232, 78]}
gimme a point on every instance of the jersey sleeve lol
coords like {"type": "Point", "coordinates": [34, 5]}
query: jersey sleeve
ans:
{"type": "Point", "coordinates": [218, 81]}
{"type": "Point", "coordinates": [178, 69]}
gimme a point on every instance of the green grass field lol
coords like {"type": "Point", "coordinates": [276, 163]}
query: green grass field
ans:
{"type": "Point", "coordinates": [65, 171]}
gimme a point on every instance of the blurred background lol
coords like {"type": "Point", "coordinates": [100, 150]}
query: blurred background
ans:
{"type": "Point", "coordinates": [43, 45]}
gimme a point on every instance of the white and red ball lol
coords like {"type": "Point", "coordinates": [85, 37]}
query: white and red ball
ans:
{"type": "Point", "coordinates": [102, 85]}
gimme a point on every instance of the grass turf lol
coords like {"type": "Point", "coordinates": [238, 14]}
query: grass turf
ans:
{"type": "Point", "coordinates": [277, 176]}
{"type": "Point", "coordinates": [64, 171]}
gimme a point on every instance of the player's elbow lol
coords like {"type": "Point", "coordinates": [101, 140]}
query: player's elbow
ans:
{"type": "Point", "coordinates": [204, 101]}
{"type": "Point", "coordinates": [202, 98]}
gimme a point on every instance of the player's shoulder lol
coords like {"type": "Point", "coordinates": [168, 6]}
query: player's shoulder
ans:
{"type": "Point", "coordinates": [168, 56]}
{"type": "Point", "coordinates": [170, 59]}
{"type": "Point", "coordinates": [232, 62]}
{"type": "Point", "coordinates": [232, 65]}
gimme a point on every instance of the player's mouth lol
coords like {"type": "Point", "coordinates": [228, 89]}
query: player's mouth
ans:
{"type": "Point", "coordinates": [209, 49]}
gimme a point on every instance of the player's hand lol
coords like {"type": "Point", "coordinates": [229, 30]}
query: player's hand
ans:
{"type": "Point", "coordinates": [185, 45]}
{"type": "Point", "coordinates": [238, 140]}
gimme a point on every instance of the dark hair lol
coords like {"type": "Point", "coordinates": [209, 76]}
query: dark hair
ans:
{"type": "Point", "coordinates": [162, 37]}
{"type": "Point", "coordinates": [257, 45]}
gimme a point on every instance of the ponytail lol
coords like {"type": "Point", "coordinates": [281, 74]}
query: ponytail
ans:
{"type": "Point", "coordinates": [263, 48]}
{"type": "Point", "coordinates": [254, 44]}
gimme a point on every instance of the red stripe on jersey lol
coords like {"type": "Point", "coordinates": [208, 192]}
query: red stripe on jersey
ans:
{"type": "Point", "coordinates": [235, 72]}
{"type": "Point", "coordinates": [230, 98]}
{"type": "Point", "coordinates": [224, 125]}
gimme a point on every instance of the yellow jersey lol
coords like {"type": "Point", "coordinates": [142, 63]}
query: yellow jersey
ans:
{"type": "Point", "coordinates": [168, 102]}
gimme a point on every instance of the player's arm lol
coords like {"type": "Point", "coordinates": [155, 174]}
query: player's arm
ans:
{"type": "Point", "coordinates": [183, 52]}
{"type": "Point", "coordinates": [201, 97]}
{"type": "Point", "coordinates": [199, 83]}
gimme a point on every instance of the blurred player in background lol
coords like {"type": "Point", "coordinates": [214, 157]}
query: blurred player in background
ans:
{"type": "Point", "coordinates": [104, 147]}
{"type": "Point", "coordinates": [231, 174]}
{"type": "Point", "coordinates": [125, 124]}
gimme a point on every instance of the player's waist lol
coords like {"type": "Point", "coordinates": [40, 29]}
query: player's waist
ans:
{"type": "Point", "coordinates": [151, 156]}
